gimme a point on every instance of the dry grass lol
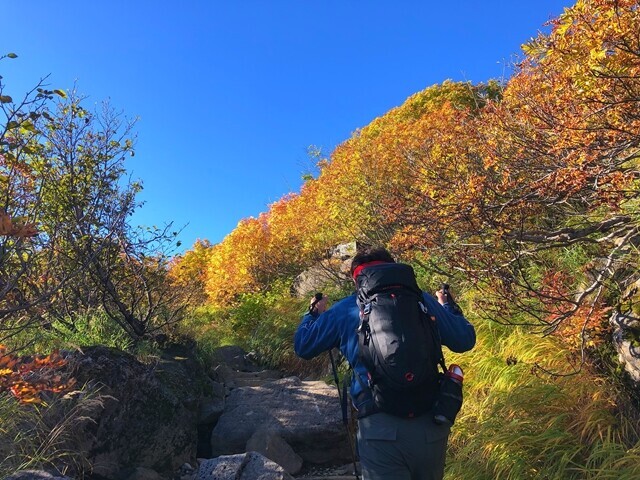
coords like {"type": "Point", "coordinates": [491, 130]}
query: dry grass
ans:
{"type": "Point", "coordinates": [521, 423]}
{"type": "Point", "coordinates": [41, 436]}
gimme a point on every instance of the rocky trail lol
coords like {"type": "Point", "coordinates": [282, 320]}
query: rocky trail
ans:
{"type": "Point", "coordinates": [173, 418]}
{"type": "Point", "coordinates": [296, 424]}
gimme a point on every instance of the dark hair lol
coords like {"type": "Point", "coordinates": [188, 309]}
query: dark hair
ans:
{"type": "Point", "coordinates": [371, 254]}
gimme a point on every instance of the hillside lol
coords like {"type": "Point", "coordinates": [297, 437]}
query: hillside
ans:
{"type": "Point", "coordinates": [521, 194]}
{"type": "Point", "coordinates": [524, 196]}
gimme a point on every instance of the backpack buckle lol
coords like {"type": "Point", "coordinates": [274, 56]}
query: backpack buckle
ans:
{"type": "Point", "coordinates": [423, 308]}
{"type": "Point", "coordinates": [367, 309]}
{"type": "Point", "coordinates": [364, 329]}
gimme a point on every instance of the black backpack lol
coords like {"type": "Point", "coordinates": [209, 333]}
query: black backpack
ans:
{"type": "Point", "coordinates": [398, 342]}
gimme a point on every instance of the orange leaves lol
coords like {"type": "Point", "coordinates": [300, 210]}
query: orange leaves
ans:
{"type": "Point", "coordinates": [592, 61]}
{"type": "Point", "coordinates": [27, 377]}
{"type": "Point", "coordinates": [410, 165]}
{"type": "Point", "coordinates": [553, 289]}
{"type": "Point", "coordinates": [234, 263]}
{"type": "Point", "coordinates": [7, 363]}
{"type": "Point", "coordinates": [569, 117]}
{"type": "Point", "coordinates": [497, 182]}
{"type": "Point", "coordinates": [189, 270]}
{"type": "Point", "coordinates": [9, 228]}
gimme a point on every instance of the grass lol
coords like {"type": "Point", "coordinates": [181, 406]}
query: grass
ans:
{"type": "Point", "coordinates": [41, 436]}
{"type": "Point", "coordinates": [263, 323]}
{"type": "Point", "coordinates": [519, 422]}
{"type": "Point", "coordinates": [85, 330]}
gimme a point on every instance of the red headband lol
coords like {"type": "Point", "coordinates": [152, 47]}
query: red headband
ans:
{"type": "Point", "coordinates": [359, 268]}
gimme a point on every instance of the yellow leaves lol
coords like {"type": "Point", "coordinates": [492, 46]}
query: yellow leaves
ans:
{"type": "Point", "coordinates": [596, 54]}
{"type": "Point", "coordinates": [235, 264]}
{"type": "Point", "coordinates": [451, 156]}
{"type": "Point", "coordinates": [192, 265]}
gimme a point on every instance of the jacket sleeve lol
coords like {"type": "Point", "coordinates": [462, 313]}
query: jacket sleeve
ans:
{"type": "Point", "coordinates": [316, 334]}
{"type": "Point", "coordinates": [456, 332]}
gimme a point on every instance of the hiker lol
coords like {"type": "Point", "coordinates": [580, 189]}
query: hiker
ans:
{"type": "Point", "coordinates": [390, 447]}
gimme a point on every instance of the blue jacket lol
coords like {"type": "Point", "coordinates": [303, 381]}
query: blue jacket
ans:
{"type": "Point", "coordinates": [337, 326]}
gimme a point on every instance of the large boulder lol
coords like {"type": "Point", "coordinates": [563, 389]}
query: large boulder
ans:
{"type": "Point", "coordinates": [142, 473]}
{"type": "Point", "coordinates": [275, 448]}
{"type": "Point", "coordinates": [306, 415]}
{"type": "Point", "coordinates": [245, 466]}
{"type": "Point", "coordinates": [332, 271]}
{"type": "Point", "coordinates": [147, 416]}
{"type": "Point", "coordinates": [232, 356]}
{"type": "Point", "coordinates": [625, 321]}
{"type": "Point", "coordinates": [231, 378]}
{"type": "Point", "coordinates": [212, 404]}
{"type": "Point", "coordinates": [626, 339]}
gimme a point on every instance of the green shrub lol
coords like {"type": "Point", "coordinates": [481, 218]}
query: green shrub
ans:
{"type": "Point", "coordinates": [84, 330]}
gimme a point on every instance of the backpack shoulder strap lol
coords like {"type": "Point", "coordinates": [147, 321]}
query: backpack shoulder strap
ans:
{"type": "Point", "coordinates": [437, 341]}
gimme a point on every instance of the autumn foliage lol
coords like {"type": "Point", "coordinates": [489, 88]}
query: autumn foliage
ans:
{"type": "Point", "coordinates": [526, 190]}
{"type": "Point", "coordinates": [27, 377]}
{"type": "Point", "coordinates": [10, 228]}
{"type": "Point", "coordinates": [68, 250]}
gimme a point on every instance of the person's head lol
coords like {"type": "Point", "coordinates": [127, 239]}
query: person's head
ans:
{"type": "Point", "coordinates": [370, 254]}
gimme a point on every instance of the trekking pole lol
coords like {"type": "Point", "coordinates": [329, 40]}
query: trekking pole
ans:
{"type": "Point", "coordinates": [342, 397]}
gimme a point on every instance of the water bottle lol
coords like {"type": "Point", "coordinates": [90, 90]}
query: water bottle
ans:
{"type": "Point", "coordinates": [449, 399]}
{"type": "Point", "coordinates": [456, 374]}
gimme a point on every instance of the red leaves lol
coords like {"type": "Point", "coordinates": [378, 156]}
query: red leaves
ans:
{"type": "Point", "coordinates": [27, 377]}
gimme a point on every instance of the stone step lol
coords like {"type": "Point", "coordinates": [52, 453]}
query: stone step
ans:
{"type": "Point", "coordinates": [248, 382]}
{"type": "Point", "coordinates": [231, 377]}
{"type": "Point", "coordinates": [330, 477]}
{"type": "Point", "coordinates": [344, 472]}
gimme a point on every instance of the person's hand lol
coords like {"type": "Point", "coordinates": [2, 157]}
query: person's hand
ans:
{"type": "Point", "coordinates": [442, 297]}
{"type": "Point", "coordinates": [320, 306]}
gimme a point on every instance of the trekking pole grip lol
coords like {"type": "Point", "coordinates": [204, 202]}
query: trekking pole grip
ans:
{"type": "Point", "coordinates": [449, 298]}
{"type": "Point", "coordinates": [318, 296]}
{"type": "Point", "coordinates": [447, 293]}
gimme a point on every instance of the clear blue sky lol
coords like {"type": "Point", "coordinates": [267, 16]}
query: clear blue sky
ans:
{"type": "Point", "coordinates": [231, 94]}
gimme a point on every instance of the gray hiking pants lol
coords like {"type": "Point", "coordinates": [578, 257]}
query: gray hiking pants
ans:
{"type": "Point", "coordinates": [393, 448]}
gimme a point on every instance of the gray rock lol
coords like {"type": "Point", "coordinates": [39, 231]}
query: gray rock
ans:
{"type": "Point", "coordinates": [319, 277]}
{"type": "Point", "coordinates": [34, 475]}
{"type": "Point", "coordinates": [212, 404]}
{"type": "Point", "coordinates": [275, 448]}
{"type": "Point", "coordinates": [628, 355]}
{"type": "Point", "coordinates": [186, 472]}
{"type": "Point", "coordinates": [232, 356]}
{"type": "Point", "coordinates": [245, 466]}
{"type": "Point", "coordinates": [305, 414]}
{"type": "Point", "coordinates": [142, 473]}
{"type": "Point", "coordinates": [332, 271]}
{"type": "Point", "coordinates": [148, 416]}
{"type": "Point", "coordinates": [234, 379]}
{"type": "Point", "coordinates": [626, 339]}
{"type": "Point", "coordinates": [625, 321]}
